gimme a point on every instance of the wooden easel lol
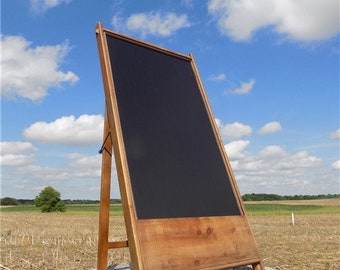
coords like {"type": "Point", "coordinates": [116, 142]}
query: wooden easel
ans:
{"type": "Point", "coordinates": [162, 236]}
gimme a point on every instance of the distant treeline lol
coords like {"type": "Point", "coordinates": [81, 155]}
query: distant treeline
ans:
{"type": "Point", "coordinates": [13, 201]}
{"type": "Point", "coordinates": [68, 201]}
{"type": "Point", "coordinates": [113, 201]}
{"type": "Point", "coordinates": [245, 197]}
{"type": "Point", "coordinates": [275, 197]}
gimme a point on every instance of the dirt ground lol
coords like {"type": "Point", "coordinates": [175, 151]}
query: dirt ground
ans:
{"type": "Point", "coordinates": [69, 241]}
{"type": "Point", "coordinates": [312, 243]}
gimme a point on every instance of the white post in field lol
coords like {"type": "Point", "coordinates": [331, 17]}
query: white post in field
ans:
{"type": "Point", "coordinates": [293, 219]}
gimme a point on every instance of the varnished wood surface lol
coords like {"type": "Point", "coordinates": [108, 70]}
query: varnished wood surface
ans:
{"type": "Point", "coordinates": [196, 243]}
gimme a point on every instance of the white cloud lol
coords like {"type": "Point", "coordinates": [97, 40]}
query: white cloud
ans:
{"type": "Point", "coordinates": [16, 153]}
{"type": "Point", "coordinates": [275, 158]}
{"type": "Point", "coordinates": [16, 147]}
{"type": "Point", "coordinates": [40, 6]}
{"type": "Point", "coordinates": [85, 165]}
{"type": "Point", "coordinates": [152, 23]}
{"type": "Point", "coordinates": [77, 177]}
{"type": "Point", "coordinates": [244, 88]}
{"type": "Point", "coordinates": [235, 149]}
{"type": "Point", "coordinates": [85, 130]}
{"type": "Point", "coordinates": [335, 135]}
{"type": "Point", "coordinates": [79, 166]}
{"type": "Point", "coordinates": [30, 72]}
{"type": "Point", "coordinates": [236, 130]}
{"type": "Point", "coordinates": [16, 160]}
{"type": "Point", "coordinates": [303, 20]}
{"type": "Point", "coordinates": [270, 127]}
{"type": "Point", "coordinates": [272, 151]}
{"type": "Point", "coordinates": [274, 170]}
{"type": "Point", "coordinates": [218, 123]}
{"type": "Point", "coordinates": [218, 77]}
{"type": "Point", "coordinates": [336, 165]}
{"type": "Point", "coordinates": [300, 159]}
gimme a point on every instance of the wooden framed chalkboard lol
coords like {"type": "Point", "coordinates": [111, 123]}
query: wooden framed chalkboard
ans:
{"type": "Point", "coordinates": [182, 207]}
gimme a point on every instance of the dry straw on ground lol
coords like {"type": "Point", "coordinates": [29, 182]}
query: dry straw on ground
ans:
{"type": "Point", "coordinates": [69, 241]}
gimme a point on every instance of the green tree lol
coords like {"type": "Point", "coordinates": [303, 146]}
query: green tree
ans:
{"type": "Point", "coordinates": [8, 201]}
{"type": "Point", "coordinates": [49, 200]}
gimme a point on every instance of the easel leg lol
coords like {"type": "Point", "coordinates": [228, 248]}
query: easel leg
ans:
{"type": "Point", "coordinates": [104, 212]}
{"type": "Point", "coordinates": [258, 266]}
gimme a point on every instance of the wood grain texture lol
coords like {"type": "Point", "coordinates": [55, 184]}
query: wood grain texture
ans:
{"type": "Point", "coordinates": [196, 243]}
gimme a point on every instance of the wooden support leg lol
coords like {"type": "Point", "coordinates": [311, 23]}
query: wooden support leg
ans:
{"type": "Point", "coordinates": [104, 212]}
{"type": "Point", "coordinates": [258, 266]}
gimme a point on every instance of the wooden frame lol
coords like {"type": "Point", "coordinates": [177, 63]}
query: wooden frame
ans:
{"type": "Point", "coordinates": [192, 243]}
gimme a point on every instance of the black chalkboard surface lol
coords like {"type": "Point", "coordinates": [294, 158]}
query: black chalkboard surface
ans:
{"type": "Point", "coordinates": [175, 165]}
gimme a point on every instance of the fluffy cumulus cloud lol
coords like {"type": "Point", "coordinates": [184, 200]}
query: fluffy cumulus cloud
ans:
{"type": "Point", "coordinates": [78, 166]}
{"type": "Point", "coordinates": [303, 20]}
{"type": "Point", "coordinates": [275, 157]}
{"type": "Point", "coordinates": [21, 171]}
{"type": "Point", "coordinates": [39, 6]}
{"type": "Point", "coordinates": [16, 153]}
{"type": "Point", "coordinates": [301, 159]}
{"type": "Point", "coordinates": [16, 147]}
{"type": "Point", "coordinates": [270, 127]}
{"type": "Point", "coordinates": [235, 149]}
{"type": "Point", "coordinates": [274, 170]}
{"type": "Point", "coordinates": [336, 165]}
{"type": "Point", "coordinates": [30, 72]}
{"type": "Point", "coordinates": [151, 23]}
{"type": "Point", "coordinates": [68, 130]}
{"type": "Point", "coordinates": [335, 135]}
{"type": "Point", "coordinates": [272, 151]}
{"type": "Point", "coordinates": [85, 165]}
{"type": "Point", "coordinates": [243, 89]}
{"type": "Point", "coordinates": [235, 130]}
{"type": "Point", "coordinates": [218, 123]}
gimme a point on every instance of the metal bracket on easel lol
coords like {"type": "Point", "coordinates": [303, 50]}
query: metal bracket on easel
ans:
{"type": "Point", "coordinates": [100, 151]}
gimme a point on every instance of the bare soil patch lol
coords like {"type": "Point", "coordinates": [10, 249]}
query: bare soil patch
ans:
{"type": "Point", "coordinates": [55, 241]}
{"type": "Point", "coordinates": [312, 243]}
{"type": "Point", "coordinates": [69, 241]}
{"type": "Point", "coordinates": [323, 202]}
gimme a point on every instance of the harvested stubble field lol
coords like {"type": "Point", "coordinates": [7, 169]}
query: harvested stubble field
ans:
{"type": "Point", "coordinates": [33, 240]}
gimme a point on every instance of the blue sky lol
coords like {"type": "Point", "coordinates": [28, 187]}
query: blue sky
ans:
{"type": "Point", "coordinates": [270, 70]}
